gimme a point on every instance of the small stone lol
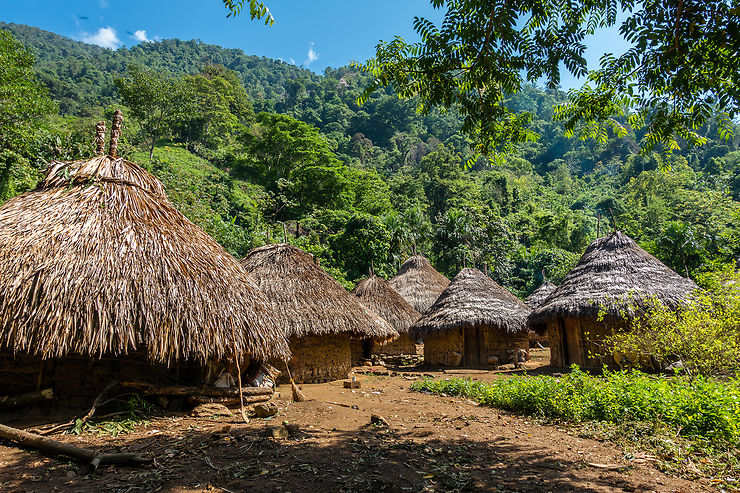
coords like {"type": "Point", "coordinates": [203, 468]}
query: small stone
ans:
{"type": "Point", "coordinates": [378, 420]}
{"type": "Point", "coordinates": [265, 410]}
{"type": "Point", "coordinates": [279, 432]}
{"type": "Point", "coordinates": [293, 428]}
{"type": "Point", "coordinates": [210, 409]}
{"type": "Point", "coordinates": [352, 384]}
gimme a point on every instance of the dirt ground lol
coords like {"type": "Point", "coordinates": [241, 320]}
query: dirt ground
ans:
{"type": "Point", "coordinates": [432, 443]}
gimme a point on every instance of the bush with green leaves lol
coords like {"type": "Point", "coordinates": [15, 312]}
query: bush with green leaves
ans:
{"type": "Point", "coordinates": [704, 336]}
{"type": "Point", "coordinates": [698, 407]}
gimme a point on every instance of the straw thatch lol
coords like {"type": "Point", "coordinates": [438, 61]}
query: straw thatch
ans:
{"type": "Point", "coordinates": [96, 260]}
{"type": "Point", "coordinates": [377, 294]}
{"type": "Point", "coordinates": [539, 295]}
{"type": "Point", "coordinates": [614, 275]}
{"type": "Point", "coordinates": [419, 283]}
{"type": "Point", "coordinates": [474, 299]}
{"type": "Point", "coordinates": [306, 299]}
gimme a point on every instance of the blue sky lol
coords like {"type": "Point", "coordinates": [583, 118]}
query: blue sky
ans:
{"type": "Point", "coordinates": [311, 33]}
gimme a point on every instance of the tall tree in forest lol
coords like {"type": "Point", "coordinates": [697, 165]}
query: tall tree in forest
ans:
{"type": "Point", "coordinates": [156, 100]}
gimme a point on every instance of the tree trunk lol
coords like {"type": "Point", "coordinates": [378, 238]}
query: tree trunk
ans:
{"type": "Point", "coordinates": [48, 445]}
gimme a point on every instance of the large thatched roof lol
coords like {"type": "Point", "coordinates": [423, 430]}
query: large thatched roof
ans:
{"type": "Point", "coordinates": [375, 293]}
{"type": "Point", "coordinates": [473, 299]}
{"type": "Point", "coordinates": [97, 260]}
{"type": "Point", "coordinates": [617, 275]}
{"type": "Point", "coordinates": [306, 299]}
{"type": "Point", "coordinates": [540, 294]}
{"type": "Point", "coordinates": [419, 283]}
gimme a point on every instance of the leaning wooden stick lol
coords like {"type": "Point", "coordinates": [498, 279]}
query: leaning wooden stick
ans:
{"type": "Point", "coordinates": [92, 457]}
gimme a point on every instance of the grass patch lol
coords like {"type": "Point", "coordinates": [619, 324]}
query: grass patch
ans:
{"type": "Point", "coordinates": [691, 425]}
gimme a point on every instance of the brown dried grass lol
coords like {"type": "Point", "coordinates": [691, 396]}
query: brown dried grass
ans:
{"type": "Point", "coordinates": [306, 299]}
{"type": "Point", "coordinates": [97, 260]}
{"type": "Point", "coordinates": [377, 294]}
{"type": "Point", "coordinates": [419, 283]}
{"type": "Point", "coordinates": [473, 299]}
{"type": "Point", "coordinates": [617, 277]}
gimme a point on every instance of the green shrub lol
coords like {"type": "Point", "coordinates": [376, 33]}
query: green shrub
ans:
{"type": "Point", "coordinates": [700, 406]}
{"type": "Point", "coordinates": [704, 336]}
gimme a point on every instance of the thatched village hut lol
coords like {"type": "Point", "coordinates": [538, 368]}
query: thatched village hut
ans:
{"type": "Point", "coordinates": [102, 278]}
{"type": "Point", "coordinates": [539, 295]}
{"type": "Point", "coordinates": [474, 322]}
{"type": "Point", "coordinates": [419, 283]}
{"type": "Point", "coordinates": [616, 277]}
{"type": "Point", "coordinates": [535, 299]}
{"type": "Point", "coordinates": [318, 315]}
{"type": "Point", "coordinates": [377, 294]}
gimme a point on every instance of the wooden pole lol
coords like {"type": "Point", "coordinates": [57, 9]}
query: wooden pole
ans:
{"type": "Point", "coordinates": [598, 226]}
{"type": "Point", "coordinates": [285, 234]}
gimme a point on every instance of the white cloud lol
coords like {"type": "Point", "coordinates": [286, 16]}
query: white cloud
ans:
{"type": "Point", "coordinates": [105, 37]}
{"type": "Point", "coordinates": [103, 4]}
{"type": "Point", "coordinates": [292, 61]}
{"type": "Point", "coordinates": [311, 56]}
{"type": "Point", "coordinates": [140, 36]}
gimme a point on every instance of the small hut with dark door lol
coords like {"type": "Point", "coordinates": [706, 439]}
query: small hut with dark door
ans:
{"type": "Point", "coordinates": [615, 277]}
{"type": "Point", "coordinates": [535, 299]}
{"type": "Point", "coordinates": [475, 322]}
{"type": "Point", "coordinates": [318, 315]}
{"type": "Point", "coordinates": [419, 283]}
{"type": "Point", "coordinates": [375, 293]}
{"type": "Point", "coordinates": [101, 278]}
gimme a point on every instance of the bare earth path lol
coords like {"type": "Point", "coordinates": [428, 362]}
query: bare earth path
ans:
{"type": "Point", "coordinates": [432, 444]}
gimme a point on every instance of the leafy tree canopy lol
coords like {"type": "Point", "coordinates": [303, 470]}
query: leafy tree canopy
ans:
{"type": "Point", "coordinates": [684, 62]}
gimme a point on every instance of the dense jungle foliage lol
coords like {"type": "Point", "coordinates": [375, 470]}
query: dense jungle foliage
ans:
{"type": "Point", "coordinates": [250, 147]}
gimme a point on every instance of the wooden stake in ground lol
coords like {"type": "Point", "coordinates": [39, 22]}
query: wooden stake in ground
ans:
{"type": "Point", "coordinates": [48, 445]}
{"type": "Point", "coordinates": [239, 378]}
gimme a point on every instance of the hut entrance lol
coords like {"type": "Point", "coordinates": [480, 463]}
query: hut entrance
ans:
{"type": "Point", "coordinates": [367, 348]}
{"type": "Point", "coordinates": [473, 336]}
{"type": "Point", "coordinates": [569, 327]}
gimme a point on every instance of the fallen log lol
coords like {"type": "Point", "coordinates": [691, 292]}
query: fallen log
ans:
{"type": "Point", "coordinates": [92, 457]}
{"type": "Point", "coordinates": [10, 401]}
{"type": "Point", "coordinates": [184, 391]}
{"type": "Point", "coordinates": [227, 401]}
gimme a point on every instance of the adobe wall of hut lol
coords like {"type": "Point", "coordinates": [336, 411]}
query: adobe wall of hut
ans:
{"type": "Point", "coordinates": [402, 345]}
{"type": "Point", "coordinates": [76, 378]}
{"type": "Point", "coordinates": [578, 341]}
{"type": "Point", "coordinates": [473, 346]}
{"type": "Point", "coordinates": [317, 358]}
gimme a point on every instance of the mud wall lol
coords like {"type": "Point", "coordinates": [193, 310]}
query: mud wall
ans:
{"type": "Point", "coordinates": [402, 345]}
{"type": "Point", "coordinates": [448, 347]}
{"type": "Point", "coordinates": [579, 341]}
{"type": "Point", "coordinates": [443, 348]}
{"type": "Point", "coordinates": [317, 359]}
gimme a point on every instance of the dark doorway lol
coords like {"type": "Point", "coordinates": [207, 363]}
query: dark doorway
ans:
{"type": "Point", "coordinates": [472, 346]}
{"type": "Point", "coordinates": [367, 348]}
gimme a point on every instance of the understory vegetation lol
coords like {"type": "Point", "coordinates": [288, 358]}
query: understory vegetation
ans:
{"type": "Point", "coordinates": [692, 425]}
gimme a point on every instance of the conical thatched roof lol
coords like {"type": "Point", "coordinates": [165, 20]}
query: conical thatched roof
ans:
{"type": "Point", "coordinates": [540, 294]}
{"type": "Point", "coordinates": [419, 283]}
{"type": "Point", "coordinates": [306, 299]}
{"type": "Point", "coordinates": [615, 274]}
{"type": "Point", "coordinates": [375, 293]}
{"type": "Point", "coordinates": [471, 299]}
{"type": "Point", "coordinates": [97, 260]}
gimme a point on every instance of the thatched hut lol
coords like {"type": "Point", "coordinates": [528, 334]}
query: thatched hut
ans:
{"type": "Point", "coordinates": [98, 268]}
{"type": "Point", "coordinates": [474, 322]}
{"type": "Point", "coordinates": [535, 299]}
{"type": "Point", "coordinates": [539, 295]}
{"type": "Point", "coordinates": [318, 316]}
{"type": "Point", "coordinates": [419, 283]}
{"type": "Point", "coordinates": [614, 277]}
{"type": "Point", "coordinates": [377, 294]}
